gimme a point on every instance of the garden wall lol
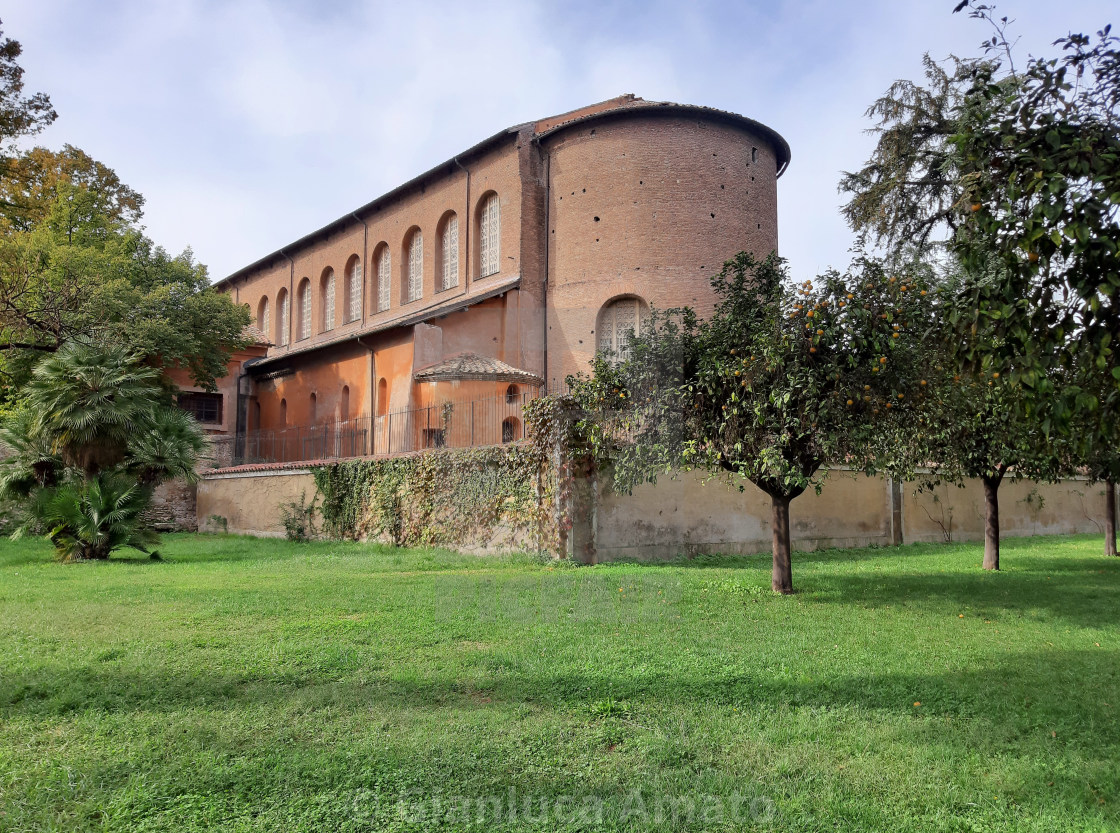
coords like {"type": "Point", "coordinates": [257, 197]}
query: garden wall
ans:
{"type": "Point", "coordinates": [249, 501]}
{"type": "Point", "coordinates": [487, 500]}
{"type": "Point", "coordinates": [687, 516]}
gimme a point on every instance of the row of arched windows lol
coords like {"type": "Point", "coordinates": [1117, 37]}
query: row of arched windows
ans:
{"type": "Point", "coordinates": [411, 276]}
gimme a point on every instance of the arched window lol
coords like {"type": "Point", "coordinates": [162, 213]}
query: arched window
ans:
{"type": "Point", "coordinates": [354, 289]}
{"type": "Point", "coordinates": [313, 408]}
{"type": "Point", "coordinates": [326, 289]}
{"type": "Point", "coordinates": [511, 429]}
{"type": "Point", "coordinates": [511, 394]}
{"type": "Point", "coordinates": [384, 275]}
{"type": "Point", "coordinates": [283, 413]}
{"type": "Point", "coordinates": [618, 321]}
{"type": "Point", "coordinates": [449, 252]}
{"type": "Point", "coordinates": [414, 266]}
{"type": "Point", "coordinates": [382, 397]}
{"type": "Point", "coordinates": [255, 424]}
{"type": "Point", "coordinates": [262, 318]}
{"type": "Point", "coordinates": [489, 235]}
{"type": "Point", "coordinates": [304, 296]}
{"type": "Point", "coordinates": [344, 403]}
{"type": "Point", "coordinates": [283, 317]}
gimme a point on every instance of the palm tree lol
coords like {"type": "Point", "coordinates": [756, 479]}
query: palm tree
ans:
{"type": "Point", "coordinates": [97, 435]}
{"type": "Point", "coordinates": [92, 401]}
{"type": "Point", "coordinates": [167, 448]}
{"type": "Point", "coordinates": [89, 518]}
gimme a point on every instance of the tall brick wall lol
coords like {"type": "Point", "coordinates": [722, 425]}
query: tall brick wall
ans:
{"type": "Point", "coordinates": [649, 205]}
{"type": "Point", "coordinates": [620, 198]}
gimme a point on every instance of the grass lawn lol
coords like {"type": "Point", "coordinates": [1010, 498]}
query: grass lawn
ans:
{"type": "Point", "coordinates": [266, 685]}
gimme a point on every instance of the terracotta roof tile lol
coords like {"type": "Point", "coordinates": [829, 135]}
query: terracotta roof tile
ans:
{"type": "Point", "coordinates": [474, 366]}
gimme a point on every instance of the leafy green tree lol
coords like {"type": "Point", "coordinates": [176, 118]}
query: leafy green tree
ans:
{"type": "Point", "coordinates": [34, 179]}
{"type": "Point", "coordinates": [95, 435]}
{"type": "Point", "coordinates": [1011, 180]}
{"type": "Point", "coordinates": [20, 115]}
{"type": "Point", "coordinates": [83, 273]}
{"type": "Point", "coordinates": [1039, 155]}
{"type": "Point", "coordinates": [779, 381]}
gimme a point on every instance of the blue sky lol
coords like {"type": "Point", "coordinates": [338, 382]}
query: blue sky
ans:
{"type": "Point", "coordinates": [247, 123]}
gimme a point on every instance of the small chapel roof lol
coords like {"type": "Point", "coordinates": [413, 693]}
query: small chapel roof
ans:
{"type": "Point", "coordinates": [473, 367]}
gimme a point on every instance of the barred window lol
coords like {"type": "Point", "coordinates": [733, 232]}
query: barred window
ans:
{"type": "Point", "coordinates": [449, 248]}
{"type": "Point", "coordinates": [204, 407]}
{"type": "Point", "coordinates": [354, 289]}
{"type": "Point", "coordinates": [304, 310]}
{"type": "Point", "coordinates": [618, 321]}
{"type": "Point", "coordinates": [416, 266]}
{"type": "Point", "coordinates": [384, 272]}
{"type": "Point", "coordinates": [328, 299]}
{"type": "Point", "coordinates": [283, 318]}
{"type": "Point", "coordinates": [489, 236]}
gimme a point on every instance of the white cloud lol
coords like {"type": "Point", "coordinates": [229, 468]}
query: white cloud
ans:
{"type": "Point", "coordinates": [248, 123]}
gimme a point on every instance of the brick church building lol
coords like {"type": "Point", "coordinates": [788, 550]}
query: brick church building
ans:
{"type": "Point", "coordinates": [427, 316]}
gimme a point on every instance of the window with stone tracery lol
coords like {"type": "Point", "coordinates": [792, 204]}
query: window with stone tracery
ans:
{"type": "Point", "coordinates": [354, 289]}
{"type": "Point", "coordinates": [283, 318]}
{"type": "Point", "coordinates": [618, 322]}
{"type": "Point", "coordinates": [328, 299]}
{"type": "Point", "coordinates": [263, 320]}
{"type": "Point", "coordinates": [304, 309]}
{"type": "Point", "coordinates": [416, 266]}
{"type": "Point", "coordinates": [489, 237]}
{"type": "Point", "coordinates": [384, 270]}
{"type": "Point", "coordinates": [449, 249]}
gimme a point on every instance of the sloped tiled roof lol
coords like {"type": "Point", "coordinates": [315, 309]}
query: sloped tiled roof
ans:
{"type": "Point", "coordinates": [475, 367]}
{"type": "Point", "coordinates": [255, 335]}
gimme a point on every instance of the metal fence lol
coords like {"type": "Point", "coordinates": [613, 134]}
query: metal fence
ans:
{"type": "Point", "coordinates": [451, 424]}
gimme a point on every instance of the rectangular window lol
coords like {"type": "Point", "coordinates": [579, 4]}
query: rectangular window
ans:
{"type": "Point", "coordinates": [204, 407]}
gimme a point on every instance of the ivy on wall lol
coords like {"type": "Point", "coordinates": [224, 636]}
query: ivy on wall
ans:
{"type": "Point", "coordinates": [460, 497]}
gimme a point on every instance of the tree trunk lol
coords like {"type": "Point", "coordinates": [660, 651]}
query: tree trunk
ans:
{"type": "Point", "coordinates": [1110, 518]}
{"type": "Point", "coordinates": [782, 578]}
{"type": "Point", "coordinates": [991, 523]}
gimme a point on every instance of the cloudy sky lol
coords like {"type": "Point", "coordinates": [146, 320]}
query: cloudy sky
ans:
{"type": "Point", "coordinates": [248, 123]}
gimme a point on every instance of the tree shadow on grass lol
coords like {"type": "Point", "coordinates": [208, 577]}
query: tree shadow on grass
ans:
{"type": "Point", "coordinates": [1075, 590]}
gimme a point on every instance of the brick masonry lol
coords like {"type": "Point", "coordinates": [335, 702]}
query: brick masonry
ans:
{"type": "Point", "coordinates": [621, 198]}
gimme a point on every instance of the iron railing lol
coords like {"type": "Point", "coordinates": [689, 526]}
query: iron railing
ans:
{"type": "Point", "coordinates": [450, 424]}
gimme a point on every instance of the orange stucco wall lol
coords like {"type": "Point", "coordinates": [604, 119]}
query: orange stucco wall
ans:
{"type": "Point", "coordinates": [620, 198]}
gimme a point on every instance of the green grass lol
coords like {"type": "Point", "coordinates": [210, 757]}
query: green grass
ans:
{"type": "Point", "coordinates": [264, 685]}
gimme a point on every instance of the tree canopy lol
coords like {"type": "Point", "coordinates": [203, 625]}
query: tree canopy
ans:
{"type": "Point", "coordinates": [780, 380]}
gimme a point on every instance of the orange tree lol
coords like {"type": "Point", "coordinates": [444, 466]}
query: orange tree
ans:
{"type": "Point", "coordinates": [781, 380]}
{"type": "Point", "coordinates": [1016, 174]}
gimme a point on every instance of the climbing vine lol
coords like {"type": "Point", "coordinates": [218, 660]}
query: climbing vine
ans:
{"type": "Point", "coordinates": [442, 496]}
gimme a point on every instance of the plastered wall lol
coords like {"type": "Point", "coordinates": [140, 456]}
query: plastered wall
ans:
{"type": "Point", "coordinates": [686, 515]}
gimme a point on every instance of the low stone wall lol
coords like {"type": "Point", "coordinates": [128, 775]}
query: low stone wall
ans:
{"type": "Point", "coordinates": [688, 515]}
{"type": "Point", "coordinates": [685, 515]}
{"type": "Point", "coordinates": [249, 502]}
{"type": "Point", "coordinates": [1025, 508]}
{"type": "Point", "coordinates": [173, 507]}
